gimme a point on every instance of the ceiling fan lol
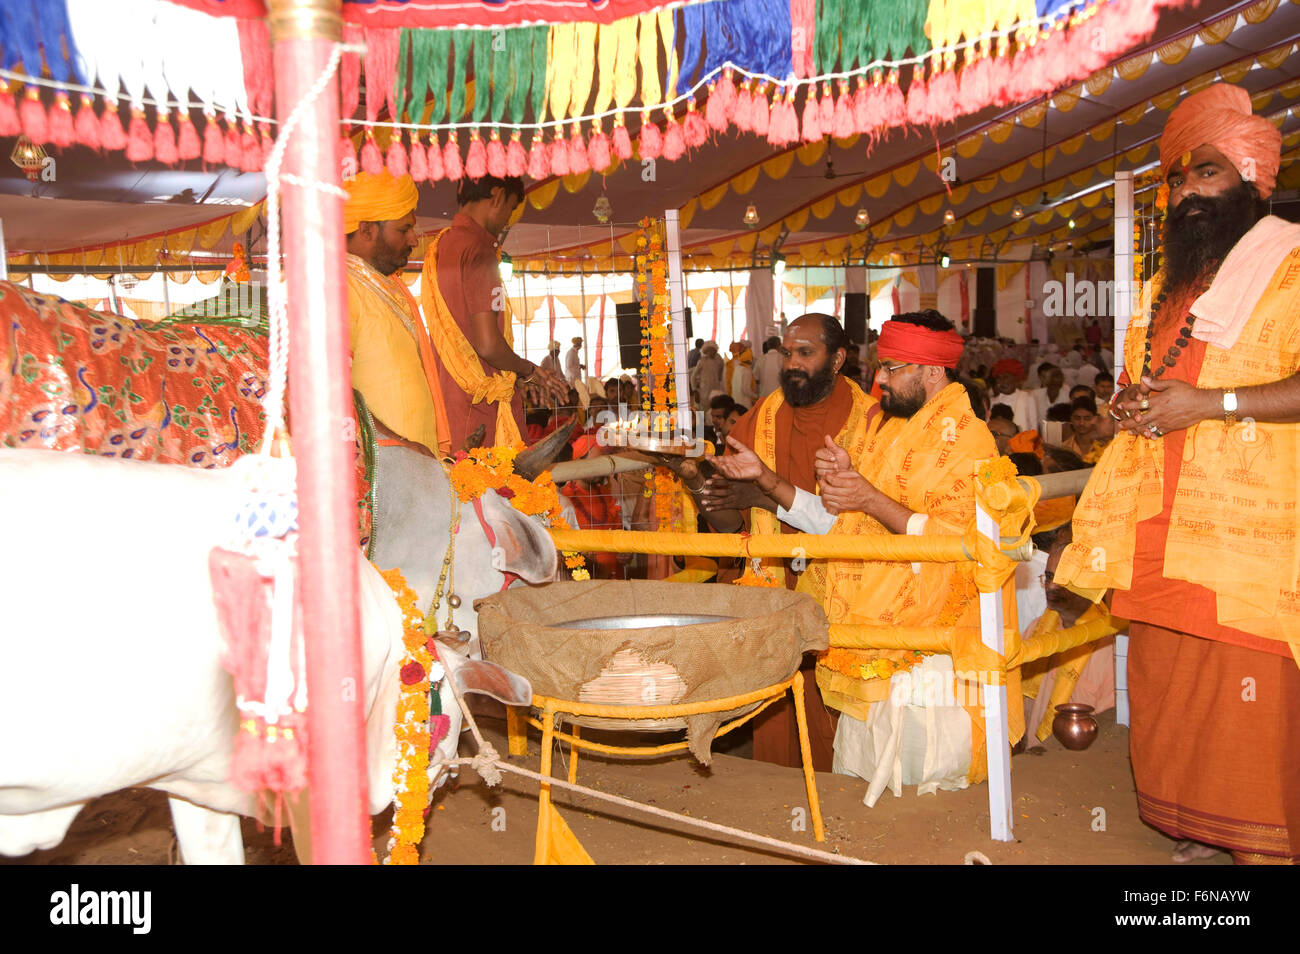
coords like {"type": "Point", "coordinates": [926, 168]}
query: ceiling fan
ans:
{"type": "Point", "coordinates": [830, 173]}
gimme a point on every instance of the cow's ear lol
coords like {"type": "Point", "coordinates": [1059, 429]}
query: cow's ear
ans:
{"type": "Point", "coordinates": [485, 678]}
{"type": "Point", "coordinates": [523, 546]}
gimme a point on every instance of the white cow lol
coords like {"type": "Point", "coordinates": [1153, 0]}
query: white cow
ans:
{"type": "Point", "coordinates": [109, 652]}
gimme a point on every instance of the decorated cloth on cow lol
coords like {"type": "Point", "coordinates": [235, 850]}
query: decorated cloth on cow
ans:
{"type": "Point", "coordinates": [186, 390]}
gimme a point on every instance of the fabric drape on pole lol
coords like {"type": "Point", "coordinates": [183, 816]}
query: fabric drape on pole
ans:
{"type": "Point", "coordinates": [759, 303]}
{"type": "Point", "coordinates": [964, 289]}
{"type": "Point", "coordinates": [550, 304]}
{"type": "Point", "coordinates": [600, 328]}
{"type": "Point", "coordinates": [717, 293]}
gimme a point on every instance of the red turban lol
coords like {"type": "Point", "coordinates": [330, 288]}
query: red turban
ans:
{"type": "Point", "coordinates": [1221, 116]}
{"type": "Point", "coordinates": [1009, 366]}
{"type": "Point", "coordinates": [918, 345]}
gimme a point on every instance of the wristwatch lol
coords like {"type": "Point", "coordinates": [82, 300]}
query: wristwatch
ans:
{"type": "Point", "coordinates": [1230, 407]}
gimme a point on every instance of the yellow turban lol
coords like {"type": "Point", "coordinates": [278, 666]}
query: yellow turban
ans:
{"type": "Point", "coordinates": [377, 197]}
{"type": "Point", "coordinates": [1221, 116]}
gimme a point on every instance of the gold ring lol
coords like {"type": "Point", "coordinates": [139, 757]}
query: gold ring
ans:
{"type": "Point", "coordinates": [1145, 405]}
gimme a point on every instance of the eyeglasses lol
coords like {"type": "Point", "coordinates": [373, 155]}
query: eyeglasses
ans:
{"type": "Point", "coordinates": [890, 369]}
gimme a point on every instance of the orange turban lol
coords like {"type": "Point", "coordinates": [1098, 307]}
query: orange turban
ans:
{"type": "Point", "coordinates": [377, 197]}
{"type": "Point", "coordinates": [1221, 116]}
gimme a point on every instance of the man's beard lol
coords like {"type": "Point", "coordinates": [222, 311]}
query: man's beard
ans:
{"type": "Point", "coordinates": [1197, 244]}
{"type": "Point", "coordinates": [902, 405]}
{"type": "Point", "coordinates": [801, 390]}
{"type": "Point", "coordinates": [389, 259]}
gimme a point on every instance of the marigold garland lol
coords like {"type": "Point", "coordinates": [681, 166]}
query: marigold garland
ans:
{"type": "Point", "coordinates": [756, 574]}
{"type": "Point", "coordinates": [493, 468]}
{"type": "Point", "coordinates": [411, 774]}
{"type": "Point", "coordinates": [864, 665]}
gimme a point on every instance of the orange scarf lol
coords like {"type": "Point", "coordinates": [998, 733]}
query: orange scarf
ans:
{"type": "Point", "coordinates": [1233, 522]}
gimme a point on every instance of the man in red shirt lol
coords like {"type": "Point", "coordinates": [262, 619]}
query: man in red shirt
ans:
{"type": "Point", "coordinates": [465, 308]}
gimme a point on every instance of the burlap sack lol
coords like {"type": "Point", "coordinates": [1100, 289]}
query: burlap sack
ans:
{"type": "Point", "coordinates": [762, 642]}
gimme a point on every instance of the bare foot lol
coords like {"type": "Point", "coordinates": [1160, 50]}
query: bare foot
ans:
{"type": "Point", "coordinates": [1186, 851]}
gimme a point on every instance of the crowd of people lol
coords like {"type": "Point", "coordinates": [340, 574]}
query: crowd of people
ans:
{"type": "Point", "coordinates": [1189, 518]}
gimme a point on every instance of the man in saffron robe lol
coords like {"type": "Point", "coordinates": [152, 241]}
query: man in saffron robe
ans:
{"type": "Point", "coordinates": [916, 476]}
{"type": "Point", "coordinates": [1190, 515]}
{"type": "Point", "coordinates": [465, 307]}
{"type": "Point", "coordinates": [392, 360]}
{"type": "Point", "coordinates": [786, 429]}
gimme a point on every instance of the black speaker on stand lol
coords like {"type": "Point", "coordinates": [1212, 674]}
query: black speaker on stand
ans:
{"type": "Point", "coordinates": [985, 317]}
{"type": "Point", "coordinates": [628, 316]}
{"type": "Point", "coordinates": [855, 316]}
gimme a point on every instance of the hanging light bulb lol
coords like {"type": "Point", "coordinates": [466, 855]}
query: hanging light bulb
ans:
{"type": "Point", "coordinates": [506, 268]}
{"type": "Point", "coordinates": [751, 216]}
{"type": "Point", "coordinates": [944, 260]}
{"type": "Point", "coordinates": [862, 219]}
{"type": "Point", "coordinates": [1071, 223]}
{"type": "Point", "coordinates": [949, 217]}
{"type": "Point", "coordinates": [603, 210]}
{"type": "Point", "coordinates": [1017, 212]}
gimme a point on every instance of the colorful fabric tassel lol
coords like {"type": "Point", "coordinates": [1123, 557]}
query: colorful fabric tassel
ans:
{"type": "Point", "coordinates": [539, 166]}
{"type": "Point", "coordinates": [558, 153]}
{"type": "Point", "coordinates": [812, 119]}
{"type": "Point", "coordinates": [214, 144]}
{"type": "Point", "coordinates": [396, 160]}
{"type": "Point", "coordinates": [496, 156]}
{"type": "Point", "coordinates": [61, 131]}
{"type": "Point", "coordinates": [476, 158]}
{"type": "Point", "coordinates": [433, 160]}
{"type": "Point", "coordinates": [598, 151]}
{"type": "Point", "coordinates": [578, 161]}
{"type": "Point", "coordinates": [651, 143]}
{"type": "Point", "coordinates": [418, 162]}
{"type": "Point", "coordinates": [372, 161]}
{"type": "Point", "coordinates": [451, 163]}
{"type": "Point", "coordinates": [674, 140]}
{"type": "Point", "coordinates": [86, 124]}
{"type": "Point", "coordinates": [139, 143]}
{"type": "Point", "coordinates": [760, 115]}
{"type": "Point", "coordinates": [516, 158]}
{"type": "Point", "coordinates": [36, 124]}
{"type": "Point", "coordinates": [188, 145]}
{"type": "Point", "coordinates": [164, 139]}
{"type": "Point", "coordinates": [694, 129]}
{"type": "Point", "coordinates": [742, 114]}
{"type": "Point", "coordinates": [622, 142]}
{"type": "Point", "coordinates": [10, 124]}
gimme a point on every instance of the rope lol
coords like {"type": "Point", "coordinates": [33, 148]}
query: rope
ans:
{"type": "Point", "coordinates": [278, 372]}
{"type": "Point", "coordinates": [489, 766]}
{"type": "Point", "coordinates": [815, 854]}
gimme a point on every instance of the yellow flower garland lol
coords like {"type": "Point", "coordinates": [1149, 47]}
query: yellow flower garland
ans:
{"type": "Point", "coordinates": [411, 774]}
{"type": "Point", "coordinates": [493, 468]}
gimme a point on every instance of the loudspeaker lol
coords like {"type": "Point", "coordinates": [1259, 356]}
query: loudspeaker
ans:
{"type": "Point", "coordinates": [855, 316]}
{"type": "Point", "coordinates": [628, 316]}
{"type": "Point", "coordinates": [985, 316]}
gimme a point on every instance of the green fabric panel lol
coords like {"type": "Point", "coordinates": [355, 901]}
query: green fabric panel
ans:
{"type": "Point", "coordinates": [827, 23]}
{"type": "Point", "coordinates": [541, 34]}
{"type": "Point", "coordinates": [422, 70]}
{"type": "Point", "coordinates": [519, 46]}
{"type": "Point", "coordinates": [460, 43]}
{"type": "Point", "coordinates": [482, 73]}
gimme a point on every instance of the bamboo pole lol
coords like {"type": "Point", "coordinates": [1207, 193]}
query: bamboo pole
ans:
{"type": "Point", "coordinates": [304, 33]}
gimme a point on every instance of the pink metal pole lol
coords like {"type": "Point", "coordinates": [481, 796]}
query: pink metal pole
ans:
{"type": "Point", "coordinates": [303, 33]}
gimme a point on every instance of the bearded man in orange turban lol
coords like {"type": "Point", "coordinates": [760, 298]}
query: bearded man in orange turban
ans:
{"type": "Point", "coordinates": [1190, 515]}
{"type": "Point", "coordinates": [392, 359]}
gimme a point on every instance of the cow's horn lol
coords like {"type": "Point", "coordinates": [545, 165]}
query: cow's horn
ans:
{"type": "Point", "coordinates": [532, 461]}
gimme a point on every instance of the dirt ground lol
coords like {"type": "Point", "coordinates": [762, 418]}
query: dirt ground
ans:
{"type": "Point", "coordinates": [1071, 808]}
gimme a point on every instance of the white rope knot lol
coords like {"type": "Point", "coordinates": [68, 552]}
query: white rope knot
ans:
{"type": "Point", "coordinates": [485, 763]}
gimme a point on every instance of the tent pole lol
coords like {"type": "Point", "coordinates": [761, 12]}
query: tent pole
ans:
{"type": "Point", "coordinates": [1124, 289]}
{"type": "Point", "coordinates": [673, 248]}
{"type": "Point", "coordinates": [303, 35]}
